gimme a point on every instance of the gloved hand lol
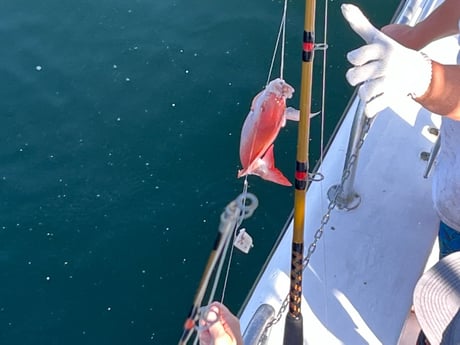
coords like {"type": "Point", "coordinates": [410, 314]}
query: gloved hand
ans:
{"type": "Point", "coordinates": [387, 69]}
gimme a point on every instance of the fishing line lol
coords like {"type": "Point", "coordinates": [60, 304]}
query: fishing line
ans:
{"type": "Point", "coordinates": [281, 37]}
{"type": "Point", "coordinates": [215, 284]}
{"type": "Point", "coordinates": [230, 220]}
{"type": "Point", "coordinates": [240, 220]}
{"type": "Point", "coordinates": [244, 212]}
{"type": "Point", "coordinates": [323, 89]}
{"type": "Point", "coordinates": [283, 42]}
{"type": "Point", "coordinates": [225, 250]}
{"type": "Point", "coordinates": [323, 122]}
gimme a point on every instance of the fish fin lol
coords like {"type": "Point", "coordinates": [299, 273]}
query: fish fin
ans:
{"type": "Point", "coordinates": [312, 115]}
{"type": "Point", "coordinates": [270, 173]}
{"type": "Point", "coordinates": [242, 172]}
{"type": "Point", "coordinates": [265, 168]}
{"type": "Point", "coordinates": [276, 176]}
{"type": "Point", "coordinates": [292, 114]}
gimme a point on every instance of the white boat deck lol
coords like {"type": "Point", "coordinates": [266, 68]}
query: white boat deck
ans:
{"type": "Point", "coordinates": [358, 286]}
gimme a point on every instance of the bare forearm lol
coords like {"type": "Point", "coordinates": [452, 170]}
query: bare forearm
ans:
{"type": "Point", "coordinates": [441, 23]}
{"type": "Point", "coordinates": [443, 94]}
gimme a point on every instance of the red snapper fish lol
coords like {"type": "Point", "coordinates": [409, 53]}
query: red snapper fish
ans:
{"type": "Point", "coordinates": [267, 115]}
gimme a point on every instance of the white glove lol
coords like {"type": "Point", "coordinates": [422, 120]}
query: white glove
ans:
{"type": "Point", "coordinates": [387, 69]}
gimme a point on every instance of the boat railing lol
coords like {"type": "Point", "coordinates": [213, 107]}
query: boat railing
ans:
{"type": "Point", "coordinates": [433, 154]}
{"type": "Point", "coordinates": [344, 193]}
{"type": "Point", "coordinates": [257, 332]}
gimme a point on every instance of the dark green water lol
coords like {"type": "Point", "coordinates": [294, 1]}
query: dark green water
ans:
{"type": "Point", "coordinates": [119, 136]}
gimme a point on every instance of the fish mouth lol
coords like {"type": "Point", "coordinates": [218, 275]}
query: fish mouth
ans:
{"type": "Point", "coordinates": [280, 88]}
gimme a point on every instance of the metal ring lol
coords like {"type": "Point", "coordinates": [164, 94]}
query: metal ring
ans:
{"type": "Point", "coordinates": [248, 208]}
{"type": "Point", "coordinates": [315, 177]}
{"type": "Point", "coordinates": [321, 46]}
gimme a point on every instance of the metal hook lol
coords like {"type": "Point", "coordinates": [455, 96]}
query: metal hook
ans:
{"type": "Point", "coordinates": [321, 46]}
{"type": "Point", "coordinates": [315, 177]}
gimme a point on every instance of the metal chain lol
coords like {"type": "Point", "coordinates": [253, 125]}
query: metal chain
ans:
{"type": "Point", "coordinates": [325, 219]}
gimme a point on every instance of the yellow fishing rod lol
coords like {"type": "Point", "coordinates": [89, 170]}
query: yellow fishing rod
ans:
{"type": "Point", "coordinates": [293, 331]}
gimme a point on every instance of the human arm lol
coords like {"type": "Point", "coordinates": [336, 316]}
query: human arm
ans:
{"type": "Point", "coordinates": [219, 327]}
{"type": "Point", "coordinates": [443, 94]}
{"type": "Point", "coordinates": [387, 71]}
{"type": "Point", "coordinates": [442, 22]}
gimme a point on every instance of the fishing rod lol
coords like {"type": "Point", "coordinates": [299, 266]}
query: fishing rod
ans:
{"type": "Point", "coordinates": [240, 208]}
{"type": "Point", "coordinates": [293, 329]}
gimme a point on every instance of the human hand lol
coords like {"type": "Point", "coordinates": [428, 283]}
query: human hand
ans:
{"type": "Point", "coordinates": [386, 69]}
{"type": "Point", "coordinates": [219, 326]}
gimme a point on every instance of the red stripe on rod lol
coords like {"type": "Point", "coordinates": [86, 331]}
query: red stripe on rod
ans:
{"type": "Point", "coordinates": [308, 46]}
{"type": "Point", "coordinates": [300, 175]}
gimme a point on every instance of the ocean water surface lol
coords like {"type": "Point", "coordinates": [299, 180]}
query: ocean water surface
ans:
{"type": "Point", "coordinates": [120, 125]}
